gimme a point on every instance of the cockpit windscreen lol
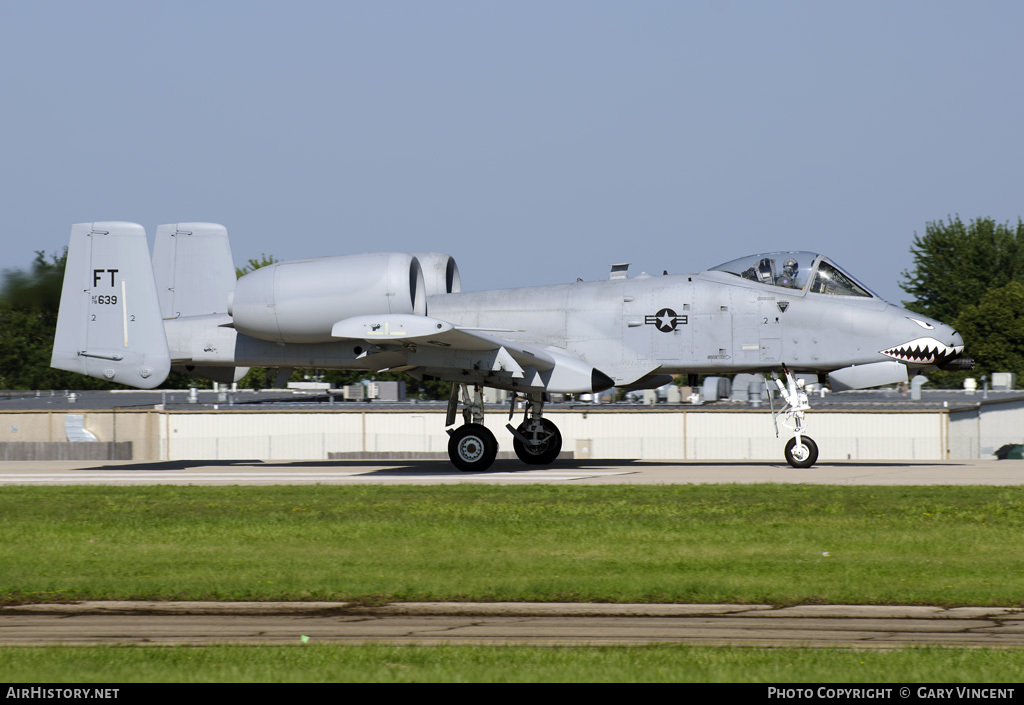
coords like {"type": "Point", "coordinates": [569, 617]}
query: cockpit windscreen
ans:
{"type": "Point", "coordinates": [794, 270]}
{"type": "Point", "coordinates": [786, 269]}
{"type": "Point", "coordinates": [829, 279]}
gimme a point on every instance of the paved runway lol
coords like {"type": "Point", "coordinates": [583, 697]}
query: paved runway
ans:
{"type": "Point", "coordinates": [157, 623]}
{"type": "Point", "coordinates": [593, 472]}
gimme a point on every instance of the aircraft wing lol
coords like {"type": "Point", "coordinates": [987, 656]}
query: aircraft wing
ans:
{"type": "Point", "coordinates": [474, 355]}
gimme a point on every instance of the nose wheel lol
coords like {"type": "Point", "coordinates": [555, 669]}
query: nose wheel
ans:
{"type": "Point", "coordinates": [802, 452]}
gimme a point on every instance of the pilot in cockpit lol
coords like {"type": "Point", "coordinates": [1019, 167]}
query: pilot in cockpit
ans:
{"type": "Point", "coordinates": [790, 269]}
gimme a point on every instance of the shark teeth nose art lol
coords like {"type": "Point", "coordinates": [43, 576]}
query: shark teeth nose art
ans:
{"type": "Point", "coordinates": [925, 351]}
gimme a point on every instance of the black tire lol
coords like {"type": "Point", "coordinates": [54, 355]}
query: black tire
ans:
{"type": "Point", "coordinates": [544, 453]}
{"type": "Point", "coordinates": [472, 447]}
{"type": "Point", "coordinates": [803, 457]}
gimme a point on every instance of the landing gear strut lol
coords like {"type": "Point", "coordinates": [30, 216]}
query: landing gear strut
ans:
{"type": "Point", "coordinates": [536, 441]}
{"type": "Point", "coordinates": [471, 447]}
{"type": "Point", "coordinates": [801, 450]}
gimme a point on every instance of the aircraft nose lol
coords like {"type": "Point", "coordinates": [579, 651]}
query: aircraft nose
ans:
{"type": "Point", "coordinates": [950, 337]}
{"type": "Point", "coordinates": [957, 340]}
{"type": "Point", "coordinates": [928, 342]}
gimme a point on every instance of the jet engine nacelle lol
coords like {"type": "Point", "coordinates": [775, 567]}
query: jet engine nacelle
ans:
{"type": "Point", "coordinates": [300, 301]}
{"type": "Point", "coordinates": [440, 273]}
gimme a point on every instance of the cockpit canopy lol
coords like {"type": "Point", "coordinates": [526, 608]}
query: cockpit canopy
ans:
{"type": "Point", "coordinates": [803, 271]}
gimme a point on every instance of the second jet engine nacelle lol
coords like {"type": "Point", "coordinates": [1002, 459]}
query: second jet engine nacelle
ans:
{"type": "Point", "coordinates": [440, 272]}
{"type": "Point", "coordinates": [299, 302]}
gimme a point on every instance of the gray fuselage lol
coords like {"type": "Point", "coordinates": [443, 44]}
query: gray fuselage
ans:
{"type": "Point", "coordinates": [715, 322]}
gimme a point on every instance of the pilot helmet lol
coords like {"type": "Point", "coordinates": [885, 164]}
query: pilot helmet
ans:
{"type": "Point", "coordinates": [790, 266]}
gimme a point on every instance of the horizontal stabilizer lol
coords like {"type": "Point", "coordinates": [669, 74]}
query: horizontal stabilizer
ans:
{"type": "Point", "coordinates": [109, 324]}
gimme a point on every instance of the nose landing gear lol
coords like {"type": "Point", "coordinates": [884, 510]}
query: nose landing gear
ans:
{"type": "Point", "coordinates": [801, 450]}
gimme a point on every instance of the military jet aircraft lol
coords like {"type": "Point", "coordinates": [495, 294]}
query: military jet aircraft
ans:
{"type": "Point", "coordinates": [126, 318]}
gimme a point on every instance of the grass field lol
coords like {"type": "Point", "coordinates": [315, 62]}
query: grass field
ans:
{"type": "Point", "coordinates": [777, 544]}
{"type": "Point", "coordinates": [506, 664]}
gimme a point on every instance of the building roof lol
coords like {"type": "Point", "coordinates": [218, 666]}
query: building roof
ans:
{"type": "Point", "coordinates": [286, 399]}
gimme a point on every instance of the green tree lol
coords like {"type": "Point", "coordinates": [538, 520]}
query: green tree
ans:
{"type": "Point", "coordinates": [254, 264]}
{"type": "Point", "coordinates": [28, 317]}
{"type": "Point", "coordinates": [37, 289]}
{"type": "Point", "coordinates": [994, 327]}
{"type": "Point", "coordinates": [956, 264]}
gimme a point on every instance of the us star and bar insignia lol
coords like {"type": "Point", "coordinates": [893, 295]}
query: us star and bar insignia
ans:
{"type": "Point", "coordinates": [665, 320]}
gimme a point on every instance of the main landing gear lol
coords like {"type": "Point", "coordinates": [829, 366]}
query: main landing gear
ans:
{"type": "Point", "coordinates": [472, 447]}
{"type": "Point", "coordinates": [536, 440]}
{"type": "Point", "coordinates": [801, 450]}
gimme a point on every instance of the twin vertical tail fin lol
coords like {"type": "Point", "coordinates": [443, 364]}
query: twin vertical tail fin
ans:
{"type": "Point", "coordinates": [195, 277]}
{"type": "Point", "coordinates": [194, 270]}
{"type": "Point", "coordinates": [109, 325]}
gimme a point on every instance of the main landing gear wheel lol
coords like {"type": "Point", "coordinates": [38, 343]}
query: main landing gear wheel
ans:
{"type": "Point", "coordinates": [542, 452]}
{"type": "Point", "coordinates": [803, 454]}
{"type": "Point", "coordinates": [472, 447]}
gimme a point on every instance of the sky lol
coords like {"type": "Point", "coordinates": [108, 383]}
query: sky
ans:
{"type": "Point", "coordinates": [535, 142]}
